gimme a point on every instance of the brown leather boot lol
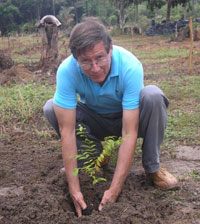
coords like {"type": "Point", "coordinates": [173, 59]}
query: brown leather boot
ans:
{"type": "Point", "coordinates": [163, 179]}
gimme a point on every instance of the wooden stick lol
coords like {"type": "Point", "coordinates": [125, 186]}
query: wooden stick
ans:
{"type": "Point", "coordinates": [191, 46]}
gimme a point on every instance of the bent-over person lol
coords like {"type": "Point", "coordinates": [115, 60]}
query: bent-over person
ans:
{"type": "Point", "coordinates": [113, 102]}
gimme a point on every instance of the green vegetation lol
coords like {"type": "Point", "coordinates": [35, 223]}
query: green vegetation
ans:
{"type": "Point", "coordinates": [195, 174]}
{"type": "Point", "coordinates": [163, 54]}
{"type": "Point", "coordinates": [20, 16]}
{"type": "Point", "coordinates": [31, 59]}
{"type": "Point", "coordinates": [20, 103]}
{"type": "Point", "coordinates": [93, 162]}
{"type": "Point", "coordinates": [166, 52]}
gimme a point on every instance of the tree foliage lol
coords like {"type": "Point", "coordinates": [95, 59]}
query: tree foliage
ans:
{"type": "Point", "coordinates": [15, 13]}
{"type": "Point", "coordinates": [8, 16]}
{"type": "Point", "coordinates": [157, 4]}
{"type": "Point", "coordinates": [122, 5]}
{"type": "Point", "coordinates": [173, 3]}
{"type": "Point", "coordinates": [153, 4]}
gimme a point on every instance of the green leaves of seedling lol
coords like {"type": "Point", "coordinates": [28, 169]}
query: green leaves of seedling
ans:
{"type": "Point", "coordinates": [75, 171]}
{"type": "Point", "coordinates": [92, 163]}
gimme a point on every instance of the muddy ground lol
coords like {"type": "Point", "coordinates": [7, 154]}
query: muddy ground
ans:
{"type": "Point", "coordinates": [32, 190]}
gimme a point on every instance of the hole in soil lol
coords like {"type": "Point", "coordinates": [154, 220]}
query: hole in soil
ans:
{"type": "Point", "coordinates": [88, 211]}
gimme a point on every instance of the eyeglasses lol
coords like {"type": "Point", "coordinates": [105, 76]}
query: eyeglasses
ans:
{"type": "Point", "coordinates": [100, 62]}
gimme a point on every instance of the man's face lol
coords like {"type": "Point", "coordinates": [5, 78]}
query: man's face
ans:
{"type": "Point", "coordinates": [95, 62]}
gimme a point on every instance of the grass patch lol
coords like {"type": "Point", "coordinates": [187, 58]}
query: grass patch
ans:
{"type": "Point", "coordinates": [182, 127]}
{"type": "Point", "coordinates": [169, 52]}
{"type": "Point", "coordinates": [195, 174]}
{"type": "Point", "coordinates": [182, 88]}
{"type": "Point", "coordinates": [158, 55]}
{"type": "Point", "coordinates": [183, 113]}
{"type": "Point", "coordinates": [23, 60]}
{"type": "Point", "coordinates": [20, 102]}
{"type": "Point", "coordinates": [158, 60]}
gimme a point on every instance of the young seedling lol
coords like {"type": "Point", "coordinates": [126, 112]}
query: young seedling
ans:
{"type": "Point", "coordinates": [92, 162]}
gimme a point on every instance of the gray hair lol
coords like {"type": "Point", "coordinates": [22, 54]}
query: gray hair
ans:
{"type": "Point", "coordinates": [86, 34]}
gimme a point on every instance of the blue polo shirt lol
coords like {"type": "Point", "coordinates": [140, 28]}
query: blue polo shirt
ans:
{"type": "Point", "coordinates": [120, 91]}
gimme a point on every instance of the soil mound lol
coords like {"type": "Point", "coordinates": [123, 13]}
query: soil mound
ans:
{"type": "Point", "coordinates": [16, 74]}
{"type": "Point", "coordinates": [5, 61]}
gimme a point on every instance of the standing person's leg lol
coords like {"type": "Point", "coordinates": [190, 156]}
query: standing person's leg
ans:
{"type": "Point", "coordinates": [153, 118]}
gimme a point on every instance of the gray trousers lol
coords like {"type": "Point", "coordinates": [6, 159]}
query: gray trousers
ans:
{"type": "Point", "coordinates": [152, 124]}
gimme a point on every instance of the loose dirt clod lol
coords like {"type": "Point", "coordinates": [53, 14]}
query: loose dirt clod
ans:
{"type": "Point", "coordinates": [11, 191]}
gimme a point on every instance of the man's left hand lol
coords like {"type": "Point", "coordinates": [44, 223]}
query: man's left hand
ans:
{"type": "Point", "coordinates": [108, 197]}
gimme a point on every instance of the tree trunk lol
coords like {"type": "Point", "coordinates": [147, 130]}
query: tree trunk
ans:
{"type": "Point", "coordinates": [169, 5]}
{"type": "Point", "coordinates": [121, 16]}
{"type": "Point", "coordinates": [136, 12]}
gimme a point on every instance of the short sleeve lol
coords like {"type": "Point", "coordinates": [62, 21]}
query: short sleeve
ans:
{"type": "Point", "coordinates": [65, 95]}
{"type": "Point", "coordinates": [132, 85]}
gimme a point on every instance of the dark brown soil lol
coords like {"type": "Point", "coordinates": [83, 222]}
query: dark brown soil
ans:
{"type": "Point", "coordinates": [37, 192]}
{"type": "Point", "coordinates": [32, 189]}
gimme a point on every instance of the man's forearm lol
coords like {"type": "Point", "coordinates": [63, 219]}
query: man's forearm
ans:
{"type": "Point", "coordinates": [69, 150]}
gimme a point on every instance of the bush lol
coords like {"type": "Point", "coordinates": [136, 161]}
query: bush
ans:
{"type": "Point", "coordinates": [112, 20]}
{"type": "Point", "coordinates": [28, 28]}
{"type": "Point", "coordinates": [143, 23]}
{"type": "Point", "coordinates": [115, 31]}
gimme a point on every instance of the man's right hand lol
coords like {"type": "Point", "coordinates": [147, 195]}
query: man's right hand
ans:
{"type": "Point", "coordinates": [67, 122]}
{"type": "Point", "coordinates": [79, 203]}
